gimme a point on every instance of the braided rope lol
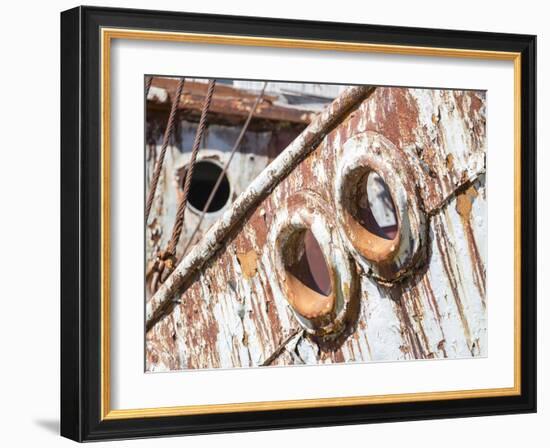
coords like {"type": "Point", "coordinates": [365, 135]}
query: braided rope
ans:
{"type": "Point", "coordinates": [148, 82]}
{"type": "Point", "coordinates": [178, 224]}
{"type": "Point", "coordinates": [167, 134]}
{"type": "Point", "coordinates": [226, 166]}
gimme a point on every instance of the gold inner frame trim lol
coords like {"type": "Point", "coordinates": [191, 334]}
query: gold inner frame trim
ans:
{"type": "Point", "coordinates": [107, 35]}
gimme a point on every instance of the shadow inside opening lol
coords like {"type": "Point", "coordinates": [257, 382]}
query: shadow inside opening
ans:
{"type": "Point", "coordinates": [310, 267]}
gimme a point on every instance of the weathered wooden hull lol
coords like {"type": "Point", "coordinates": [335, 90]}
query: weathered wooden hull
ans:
{"type": "Point", "coordinates": [235, 314]}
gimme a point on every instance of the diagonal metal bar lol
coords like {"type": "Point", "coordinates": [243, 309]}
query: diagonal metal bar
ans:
{"type": "Point", "coordinates": [281, 347]}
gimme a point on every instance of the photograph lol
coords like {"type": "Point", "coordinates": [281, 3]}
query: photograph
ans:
{"type": "Point", "coordinates": [290, 223]}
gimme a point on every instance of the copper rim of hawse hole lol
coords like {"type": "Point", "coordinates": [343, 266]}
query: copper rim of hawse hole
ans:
{"type": "Point", "coordinates": [389, 257]}
{"type": "Point", "coordinates": [319, 298]}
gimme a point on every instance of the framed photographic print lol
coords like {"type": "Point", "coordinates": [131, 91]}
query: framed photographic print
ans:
{"type": "Point", "coordinates": [273, 224]}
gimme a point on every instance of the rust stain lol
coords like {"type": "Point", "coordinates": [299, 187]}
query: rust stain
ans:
{"type": "Point", "coordinates": [249, 262]}
{"type": "Point", "coordinates": [449, 162]}
{"type": "Point", "coordinates": [448, 264]}
{"type": "Point", "coordinates": [409, 330]}
{"type": "Point", "coordinates": [464, 205]}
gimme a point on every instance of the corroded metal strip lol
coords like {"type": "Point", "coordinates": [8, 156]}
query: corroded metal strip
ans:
{"type": "Point", "coordinates": [161, 303]}
{"type": "Point", "coordinates": [229, 104]}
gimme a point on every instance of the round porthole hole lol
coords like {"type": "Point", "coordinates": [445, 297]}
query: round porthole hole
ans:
{"type": "Point", "coordinates": [205, 176]}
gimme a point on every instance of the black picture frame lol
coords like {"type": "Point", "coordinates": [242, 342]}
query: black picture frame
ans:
{"type": "Point", "coordinates": [81, 224]}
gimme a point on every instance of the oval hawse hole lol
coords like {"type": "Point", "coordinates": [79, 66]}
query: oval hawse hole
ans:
{"type": "Point", "coordinates": [375, 207]}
